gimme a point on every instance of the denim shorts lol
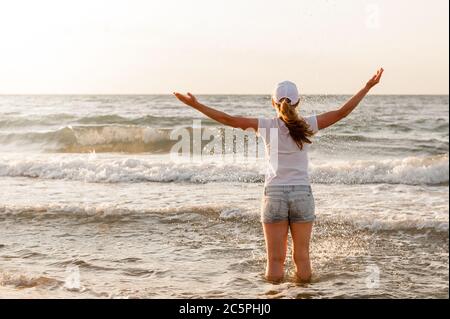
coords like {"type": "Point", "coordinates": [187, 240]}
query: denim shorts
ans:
{"type": "Point", "coordinates": [293, 203]}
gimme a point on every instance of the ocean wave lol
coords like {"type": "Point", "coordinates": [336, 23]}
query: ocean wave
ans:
{"type": "Point", "coordinates": [27, 121]}
{"type": "Point", "coordinates": [351, 137]}
{"type": "Point", "coordinates": [111, 212]}
{"type": "Point", "coordinates": [186, 214]}
{"type": "Point", "coordinates": [407, 225]}
{"type": "Point", "coordinates": [23, 281]}
{"type": "Point", "coordinates": [396, 144]}
{"type": "Point", "coordinates": [146, 120]}
{"type": "Point", "coordinates": [95, 120]}
{"type": "Point", "coordinates": [134, 136]}
{"type": "Point", "coordinates": [82, 139]}
{"type": "Point", "coordinates": [428, 170]}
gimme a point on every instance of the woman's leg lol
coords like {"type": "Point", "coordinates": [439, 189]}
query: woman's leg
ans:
{"type": "Point", "coordinates": [301, 236]}
{"type": "Point", "coordinates": [276, 235]}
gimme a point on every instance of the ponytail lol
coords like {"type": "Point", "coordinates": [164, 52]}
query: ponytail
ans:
{"type": "Point", "coordinates": [299, 130]}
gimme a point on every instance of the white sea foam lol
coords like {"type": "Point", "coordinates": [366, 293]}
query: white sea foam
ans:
{"type": "Point", "coordinates": [410, 171]}
{"type": "Point", "coordinates": [431, 170]}
{"type": "Point", "coordinates": [405, 224]}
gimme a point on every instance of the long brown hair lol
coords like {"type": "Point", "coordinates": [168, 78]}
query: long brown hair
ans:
{"type": "Point", "coordinates": [299, 130]}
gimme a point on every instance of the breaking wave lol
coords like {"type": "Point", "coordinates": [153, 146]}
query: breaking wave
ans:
{"type": "Point", "coordinates": [129, 139]}
{"type": "Point", "coordinates": [430, 170]}
{"type": "Point", "coordinates": [126, 136]}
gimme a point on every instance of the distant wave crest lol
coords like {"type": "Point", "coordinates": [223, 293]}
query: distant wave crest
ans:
{"type": "Point", "coordinates": [83, 139]}
{"type": "Point", "coordinates": [72, 119]}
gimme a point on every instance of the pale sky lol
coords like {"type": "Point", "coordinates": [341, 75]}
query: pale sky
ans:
{"type": "Point", "coordinates": [222, 46]}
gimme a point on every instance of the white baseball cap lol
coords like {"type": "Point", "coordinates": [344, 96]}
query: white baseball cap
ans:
{"type": "Point", "coordinates": [286, 89]}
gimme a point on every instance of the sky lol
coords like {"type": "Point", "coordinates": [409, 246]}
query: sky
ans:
{"type": "Point", "coordinates": [222, 46]}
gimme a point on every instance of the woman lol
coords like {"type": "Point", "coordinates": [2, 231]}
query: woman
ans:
{"type": "Point", "coordinates": [288, 202]}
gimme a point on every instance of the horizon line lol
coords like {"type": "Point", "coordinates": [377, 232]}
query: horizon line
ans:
{"type": "Point", "coordinates": [211, 94]}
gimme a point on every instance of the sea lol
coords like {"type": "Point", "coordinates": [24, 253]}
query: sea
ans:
{"type": "Point", "coordinates": [98, 201]}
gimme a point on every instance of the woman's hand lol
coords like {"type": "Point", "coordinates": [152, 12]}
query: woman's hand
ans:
{"type": "Point", "coordinates": [188, 99]}
{"type": "Point", "coordinates": [327, 119]}
{"type": "Point", "coordinates": [375, 79]}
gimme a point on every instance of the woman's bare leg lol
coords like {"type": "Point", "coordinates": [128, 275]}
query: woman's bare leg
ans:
{"type": "Point", "coordinates": [276, 236]}
{"type": "Point", "coordinates": [301, 236]}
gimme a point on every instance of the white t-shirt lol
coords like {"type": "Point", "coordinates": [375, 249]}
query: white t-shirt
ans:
{"type": "Point", "coordinates": [287, 164]}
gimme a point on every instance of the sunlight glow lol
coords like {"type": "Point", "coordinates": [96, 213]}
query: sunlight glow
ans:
{"type": "Point", "coordinates": [234, 46]}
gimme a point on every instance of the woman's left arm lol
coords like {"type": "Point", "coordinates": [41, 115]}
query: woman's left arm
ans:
{"type": "Point", "coordinates": [221, 117]}
{"type": "Point", "coordinates": [327, 119]}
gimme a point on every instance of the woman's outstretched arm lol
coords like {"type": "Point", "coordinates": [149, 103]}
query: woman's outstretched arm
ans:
{"type": "Point", "coordinates": [329, 118]}
{"type": "Point", "coordinates": [221, 117]}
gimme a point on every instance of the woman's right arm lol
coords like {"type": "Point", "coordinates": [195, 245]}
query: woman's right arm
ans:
{"type": "Point", "coordinates": [221, 117]}
{"type": "Point", "coordinates": [327, 119]}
